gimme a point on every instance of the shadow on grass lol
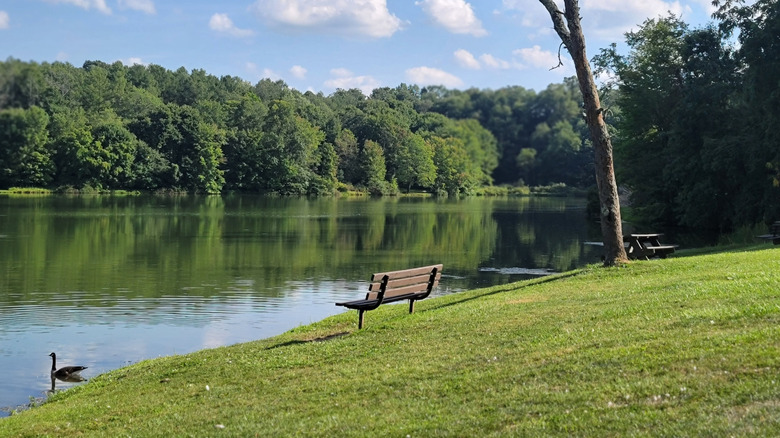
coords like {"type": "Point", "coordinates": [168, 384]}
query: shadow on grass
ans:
{"type": "Point", "coordinates": [507, 288]}
{"type": "Point", "coordinates": [306, 341]}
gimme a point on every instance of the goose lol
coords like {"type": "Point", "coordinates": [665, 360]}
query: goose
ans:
{"type": "Point", "coordinates": [66, 374]}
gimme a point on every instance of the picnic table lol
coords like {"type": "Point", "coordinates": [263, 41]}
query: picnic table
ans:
{"type": "Point", "coordinates": [643, 246]}
{"type": "Point", "coordinates": [646, 246]}
{"type": "Point", "coordinates": [774, 234]}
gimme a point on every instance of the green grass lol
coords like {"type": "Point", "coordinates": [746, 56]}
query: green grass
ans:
{"type": "Point", "coordinates": [26, 191]}
{"type": "Point", "coordinates": [687, 346]}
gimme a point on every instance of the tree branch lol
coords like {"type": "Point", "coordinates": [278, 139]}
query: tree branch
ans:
{"type": "Point", "coordinates": [559, 24]}
{"type": "Point", "coordinates": [560, 60]}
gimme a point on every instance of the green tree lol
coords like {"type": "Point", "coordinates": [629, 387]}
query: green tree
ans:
{"type": "Point", "coordinates": [22, 85]}
{"type": "Point", "coordinates": [348, 151]}
{"type": "Point", "coordinates": [25, 159]}
{"type": "Point", "coordinates": [675, 88]}
{"type": "Point", "coordinates": [325, 170]}
{"type": "Point", "coordinates": [526, 162]}
{"type": "Point", "coordinates": [287, 150]}
{"type": "Point", "coordinates": [63, 83]}
{"type": "Point", "coordinates": [195, 153]}
{"type": "Point", "coordinates": [70, 142]}
{"type": "Point", "coordinates": [191, 145]}
{"type": "Point", "coordinates": [481, 147]}
{"type": "Point", "coordinates": [374, 168]}
{"type": "Point", "coordinates": [202, 169]}
{"type": "Point", "coordinates": [559, 148]}
{"type": "Point", "coordinates": [109, 158]}
{"type": "Point", "coordinates": [96, 92]}
{"type": "Point", "coordinates": [149, 168]}
{"type": "Point", "coordinates": [479, 144]}
{"type": "Point", "coordinates": [413, 162]}
{"type": "Point", "coordinates": [243, 160]}
{"type": "Point", "coordinates": [453, 166]}
{"type": "Point", "coordinates": [409, 161]}
{"type": "Point", "coordinates": [757, 101]}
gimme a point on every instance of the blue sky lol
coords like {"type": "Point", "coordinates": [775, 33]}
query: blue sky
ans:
{"type": "Point", "coordinates": [323, 45]}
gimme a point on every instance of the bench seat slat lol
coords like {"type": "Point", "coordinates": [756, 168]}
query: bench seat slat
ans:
{"type": "Point", "coordinates": [406, 290]}
{"type": "Point", "coordinates": [392, 284]}
{"type": "Point", "coordinates": [405, 273]}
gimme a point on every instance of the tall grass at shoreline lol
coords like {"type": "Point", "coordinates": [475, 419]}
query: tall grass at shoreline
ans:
{"type": "Point", "coordinates": [687, 346]}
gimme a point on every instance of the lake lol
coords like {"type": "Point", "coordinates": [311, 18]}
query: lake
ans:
{"type": "Point", "coordinates": [108, 281]}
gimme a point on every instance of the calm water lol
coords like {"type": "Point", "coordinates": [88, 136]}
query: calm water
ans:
{"type": "Point", "coordinates": [108, 281]}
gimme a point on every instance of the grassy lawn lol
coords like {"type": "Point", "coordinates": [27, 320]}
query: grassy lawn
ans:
{"type": "Point", "coordinates": [687, 346]}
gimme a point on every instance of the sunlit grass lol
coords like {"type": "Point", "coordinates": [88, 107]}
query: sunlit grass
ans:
{"type": "Point", "coordinates": [687, 346]}
{"type": "Point", "coordinates": [25, 191]}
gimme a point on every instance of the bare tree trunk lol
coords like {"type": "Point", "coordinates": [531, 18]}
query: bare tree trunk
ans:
{"type": "Point", "coordinates": [567, 26]}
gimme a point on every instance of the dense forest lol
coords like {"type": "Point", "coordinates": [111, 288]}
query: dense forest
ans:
{"type": "Point", "coordinates": [693, 114]}
{"type": "Point", "coordinates": [138, 127]}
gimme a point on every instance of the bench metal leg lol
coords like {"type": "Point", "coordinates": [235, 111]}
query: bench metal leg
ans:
{"type": "Point", "coordinates": [360, 319]}
{"type": "Point", "coordinates": [411, 306]}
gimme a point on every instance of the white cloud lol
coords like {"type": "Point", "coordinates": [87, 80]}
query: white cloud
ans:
{"type": "Point", "coordinates": [611, 19]}
{"type": "Point", "coordinates": [467, 60]}
{"type": "Point", "coordinates": [270, 74]}
{"type": "Point", "coordinates": [4, 20]}
{"type": "Point", "coordinates": [536, 57]}
{"type": "Point", "coordinates": [345, 17]}
{"type": "Point", "coordinates": [464, 58]}
{"type": "Point", "coordinates": [604, 19]}
{"type": "Point", "coordinates": [707, 6]}
{"type": "Point", "coordinates": [340, 72]}
{"type": "Point", "coordinates": [646, 8]}
{"type": "Point", "coordinates": [493, 62]}
{"type": "Point", "coordinates": [298, 71]}
{"type": "Point", "coordinates": [223, 23]}
{"type": "Point", "coordinates": [253, 70]}
{"type": "Point", "coordinates": [432, 76]}
{"type": "Point", "coordinates": [454, 15]}
{"type": "Point", "coordinates": [133, 61]}
{"type": "Point", "coordinates": [523, 4]}
{"type": "Point", "coordinates": [100, 5]}
{"type": "Point", "coordinates": [146, 6]}
{"type": "Point", "coordinates": [346, 80]}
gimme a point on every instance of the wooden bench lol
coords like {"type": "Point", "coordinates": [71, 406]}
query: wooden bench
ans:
{"type": "Point", "coordinates": [774, 234]}
{"type": "Point", "coordinates": [387, 287]}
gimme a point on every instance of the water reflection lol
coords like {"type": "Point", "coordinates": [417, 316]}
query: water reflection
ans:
{"type": "Point", "coordinates": [67, 379]}
{"type": "Point", "coordinates": [117, 280]}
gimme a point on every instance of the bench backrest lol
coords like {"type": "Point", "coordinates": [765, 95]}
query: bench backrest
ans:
{"type": "Point", "coordinates": [415, 280]}
{"type": "Point", "coordinates": [774, 229]}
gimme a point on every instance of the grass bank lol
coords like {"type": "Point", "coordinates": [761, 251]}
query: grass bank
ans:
{"type": "Point", "coordinates": [688, 346]}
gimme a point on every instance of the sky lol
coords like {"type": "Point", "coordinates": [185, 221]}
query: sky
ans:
{"type": "Point", "coordinates": [325, 45]}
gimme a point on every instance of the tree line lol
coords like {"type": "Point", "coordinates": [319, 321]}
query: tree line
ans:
{"type": "Point", "coordinates": [110, 126]}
